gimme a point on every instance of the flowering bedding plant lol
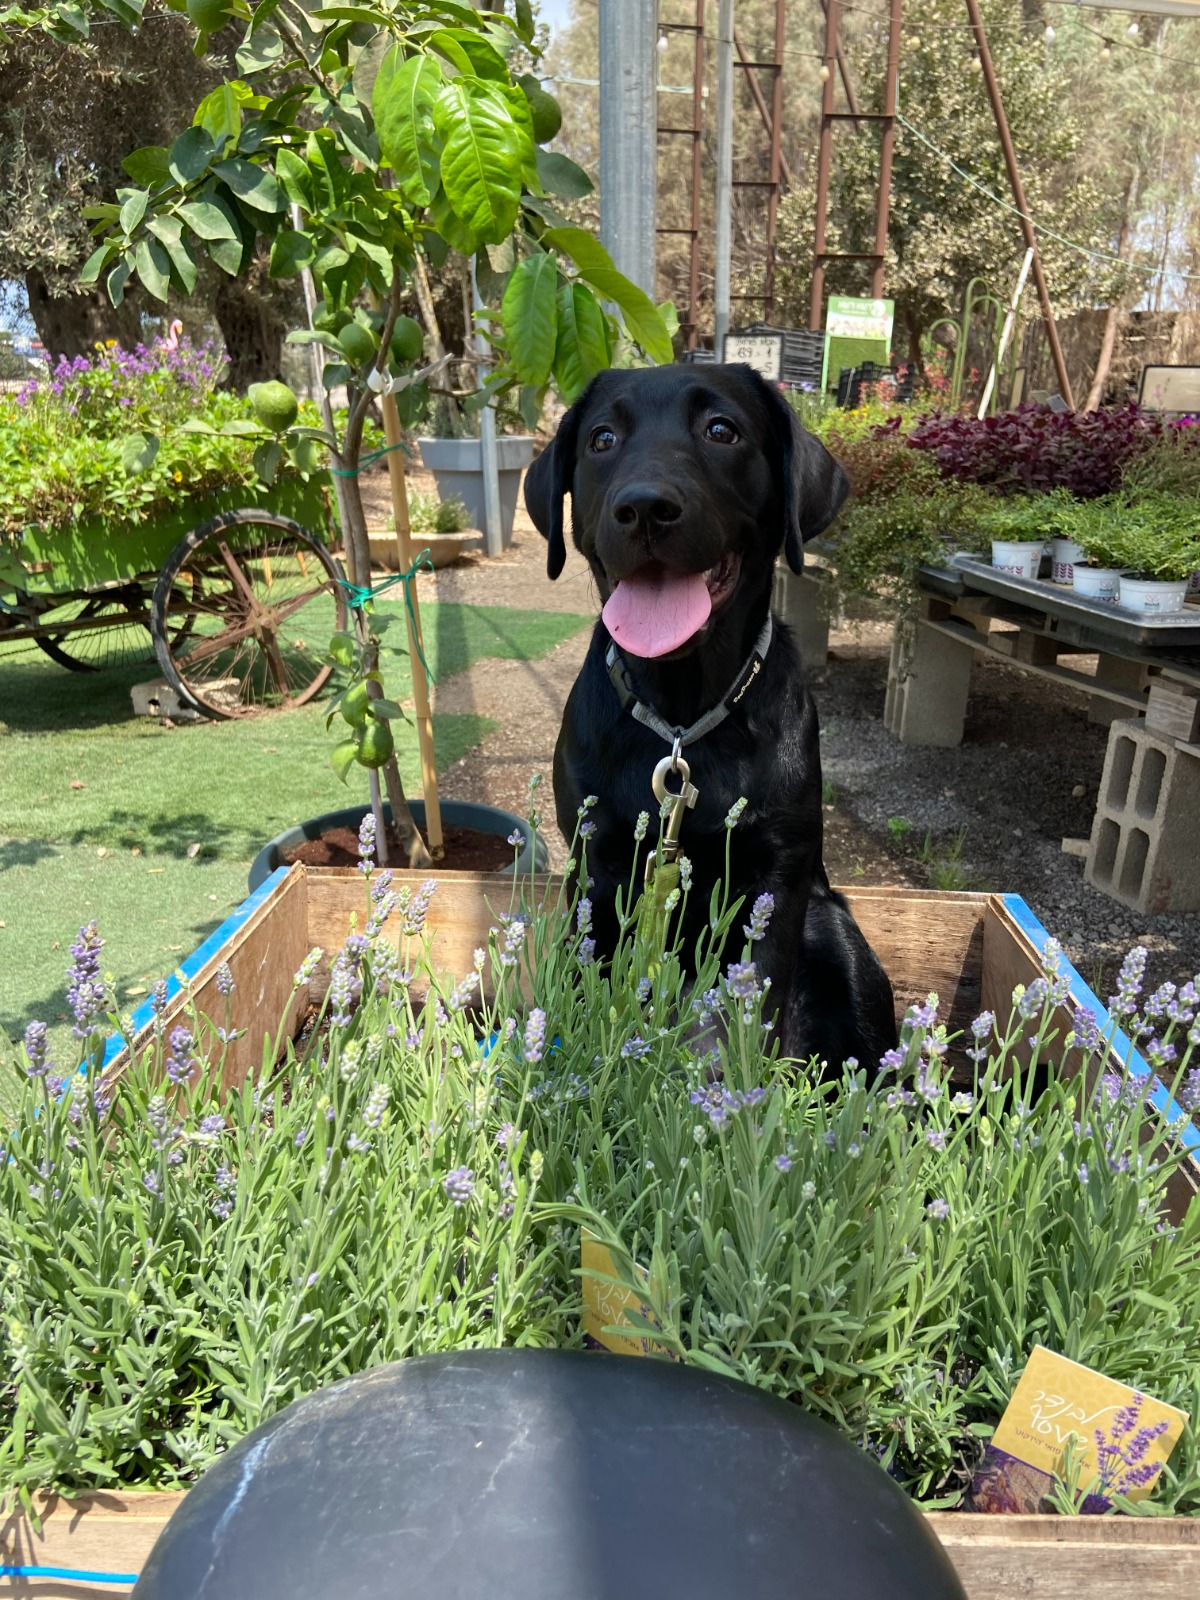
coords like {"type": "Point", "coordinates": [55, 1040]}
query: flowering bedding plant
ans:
{"type": "Point", "coordinates": [412, 1171]}
{"type": "Point", "coordinates": [65, 439]}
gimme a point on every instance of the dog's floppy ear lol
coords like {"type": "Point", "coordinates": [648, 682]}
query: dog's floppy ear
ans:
{"type": "Point", "coordinates": [548, 483]}
{"type": "Point", "coordinates": [815, 484]}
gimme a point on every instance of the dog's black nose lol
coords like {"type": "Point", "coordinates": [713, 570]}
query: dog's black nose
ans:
{"type": "Point", "coordinates": [645, 505]}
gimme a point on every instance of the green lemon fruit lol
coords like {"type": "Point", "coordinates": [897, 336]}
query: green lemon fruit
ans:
{"type": "Point", "coordinates": [408, 341]}
{"type": "Point", "coordinates": [376, 744]}
{"type": "Point", "coordinates": [209, 15]}
{"type": "Point", "coordinates": [275, 406]}
{"type": "Point", "coordinates": [543, 107]}
{"type": "Point", "coordinates": [357, 344]}
{"type": "Point", "coordinates": [354, 704]}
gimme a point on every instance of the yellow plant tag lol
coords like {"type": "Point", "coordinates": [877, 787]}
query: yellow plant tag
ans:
{"type": "Point", "coordinates": [605, 1304]}
{"type": "Point", "coordinates": [1123, 1438]}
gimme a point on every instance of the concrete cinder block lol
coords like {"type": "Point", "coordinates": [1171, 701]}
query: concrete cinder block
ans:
{"type": "Point", "coordinates": [927, 705]}
{"type": "Point", "coordinates": [798, 600]}
{"type": "Point", "coordinates": [1145, 844]}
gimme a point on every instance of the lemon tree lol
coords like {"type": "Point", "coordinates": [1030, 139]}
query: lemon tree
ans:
{"type": "Point", "coordinates": [355, 139]}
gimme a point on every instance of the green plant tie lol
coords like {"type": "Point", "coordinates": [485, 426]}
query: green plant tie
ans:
{"type": "Point", "coordinates": [358, 597]}
{"type": "Point", "coordinates": [370, 460]}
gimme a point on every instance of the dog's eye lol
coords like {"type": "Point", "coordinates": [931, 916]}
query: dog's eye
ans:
{"type": "Point", "coordinates": [721, 431]}
{"type": "Point", "coordinates": [602, 439]}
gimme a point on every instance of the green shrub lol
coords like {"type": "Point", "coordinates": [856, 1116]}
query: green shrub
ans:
{"type": "Point", "coordinates": [1154, 534]}
{"type": "Point", "coordinates": [175, 1265]}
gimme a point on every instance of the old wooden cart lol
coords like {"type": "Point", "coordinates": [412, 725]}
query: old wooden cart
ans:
{"type": "Point", "coordinates": [236, 594]}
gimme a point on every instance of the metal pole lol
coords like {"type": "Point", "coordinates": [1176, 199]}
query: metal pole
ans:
{"type": "Point", "coordinates": [724, 228]}
{"type": "Point", "coordinates": [697, 169]}
{"type": "Point", "coordinates": [844, 72]}
{"type": "Point", "coordinates": [824, 160]}
{"type": "Point", "coordinates": [776, 158]}
{"type": "Point", "coordinates": [493, 532]}
{"type": "Point", "coordinates": [628, 137]}
{"type": "Point", "coordinates": [757, 94]}
{"type": "Point", "coordinates": [887, 145]}
{"type": "Point", "coordinates": [1018, 191]}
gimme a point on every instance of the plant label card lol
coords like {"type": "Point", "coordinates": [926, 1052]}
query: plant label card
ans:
{"type": "Point", "coordinates": [1123, 1438]}
{"type": "Point", "coordinates": [605, 1303]}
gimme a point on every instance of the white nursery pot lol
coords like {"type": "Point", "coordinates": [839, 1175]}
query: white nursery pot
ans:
{"type": "Point", "coordinates": [1021, 558]}
{"type": "Point", "coordinates": [1153, 596]}
{"type": "Point", "coordinates": [1064, 553]}
{"type": "Point", "coordinates": [1097, 583]}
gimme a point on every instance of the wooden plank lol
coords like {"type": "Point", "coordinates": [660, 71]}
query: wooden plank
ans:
{"type": "Point", "coordinates": [996, 1557]}
{"type": "Point", "coordinates": [1045, 1558]}
{"type": "Point", "coordinates": [928, 941]}
{"type": "Point", "coordinates": [263, 956]}
{"type": "Point", "coordinates": [99, 1532]}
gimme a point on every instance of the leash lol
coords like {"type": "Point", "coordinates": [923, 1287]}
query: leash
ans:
{"type": "Point", "coordinates": [661, 893]}
{"type": "Point", "coordinates": [679, 738]}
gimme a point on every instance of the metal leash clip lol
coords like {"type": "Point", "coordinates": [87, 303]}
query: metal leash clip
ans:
{"type": "Point", "coordinates": [684, 800]}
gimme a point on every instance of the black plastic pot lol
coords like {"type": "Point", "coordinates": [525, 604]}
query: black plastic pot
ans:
{"type": "Point", "coordinates": [534, 856]}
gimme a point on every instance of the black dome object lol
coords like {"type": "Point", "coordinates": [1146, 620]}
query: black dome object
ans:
{"type": "Point", "coordinates": [545, 1475]}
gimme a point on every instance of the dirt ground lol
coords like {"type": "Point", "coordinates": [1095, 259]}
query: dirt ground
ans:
{"type": "Point", "coordinates": [991, 814]}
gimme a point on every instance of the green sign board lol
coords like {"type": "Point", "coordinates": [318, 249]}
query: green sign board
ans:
{"type": "Point", "coordinates": [855, 331]}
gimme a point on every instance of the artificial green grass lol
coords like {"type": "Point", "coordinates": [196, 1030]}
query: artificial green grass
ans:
{"type": "Point", "coordinates": [84, 784]}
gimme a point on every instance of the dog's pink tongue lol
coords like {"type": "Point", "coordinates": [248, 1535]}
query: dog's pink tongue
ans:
{"type": "Point", "coordinates": [654, 611]}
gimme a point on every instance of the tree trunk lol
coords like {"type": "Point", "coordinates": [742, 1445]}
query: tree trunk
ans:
{"type": "Point", "coordinates": [73, 324]}
{"type": "Point", "coordinates": [1112, 317]}
{"type": "Point", "coordinates": [253, 333]}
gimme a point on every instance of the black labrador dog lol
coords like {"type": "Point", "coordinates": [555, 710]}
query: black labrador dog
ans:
{"type": "Point", "coordinates": [685, 481]}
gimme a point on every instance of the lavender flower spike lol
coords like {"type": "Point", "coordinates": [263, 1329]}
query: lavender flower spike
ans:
{"type": "Point", "coordinates": [535, 1035]}
{"type": "Point", "coordinates": [366, 843]}
{"type": "Point", "coordinates": [1129, 982]}
{"type": "Point", "coordinates": [37, 1050]}
{"type": "Point", "coordinates": [760, 916]}
{"type": "Point", "coordinates": [85, 988]}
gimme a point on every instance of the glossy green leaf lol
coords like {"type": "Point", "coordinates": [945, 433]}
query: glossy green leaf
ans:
{"type": "Point", "coordinates": [343, 756]}
{"type": "Point", "coordinates": [584, 249]}
{"type": "Point", "coordinates": [267, 457]}
{"type": "Point", "coordinates": [341, 649]}
{"type": "Point", "coordinates": [252, 184]}
{"type": "Point", "coordinates": [148, 165]}
{"type": "Point", "coordinates": [470, 53]}
{"type": "Point", "coordinates": [292, 172]}
{"type": "Point", "coordinates": [453, 231]}
{"type": "Point", "coordinates": [645, 325]}
{"type": "Point", "coordinates": [133, 208]}
{"type": "Point", "coordinates": [529, 317]}
{"type": "Point", "coordinates": [582, 348]}
{"type": "Point", "coordinates": [152, 264]}
{"type": "Point", "coordinates": [403, 106]}
{"type": "Point", "coordinates": [562, 176]}
{"type": "Point", "coordinates": [220, 113]}
{"type": "Point", "coordinates": [189, 156]}
{"type": "Point", "coordinates": [97, 262]}
{"type": "Point", "coordinates": [290, 252]}
{"type": "Point", "coordinates": [118, 278]}
{"type": "Point", "coordinates": [525, 21]}
{"type": "Point", "coordinates": [207, 220]}
{"type": "Point", "coordinates": [482, 156]}
{"type": "Point", "coordinates": [168, 231]}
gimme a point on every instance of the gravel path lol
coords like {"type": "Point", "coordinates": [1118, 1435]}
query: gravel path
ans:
{"type": "Point", "coordinates": [996, 810]}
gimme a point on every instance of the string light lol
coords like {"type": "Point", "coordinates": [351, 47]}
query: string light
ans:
{"type": "Point", "coordinates": [976, 64]}
{"type": "Point", "coordinates": [824, 73]}
{"type": "Point", "coordinates": [1049, 35]}
{"type": "Point", "coordinates": [1106, 50]}
{"type": "Point", "coordinates": [1133, 30]}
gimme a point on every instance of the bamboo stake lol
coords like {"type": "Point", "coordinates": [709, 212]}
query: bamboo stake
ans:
{"type": "Point", "coordinates": [412, 618]}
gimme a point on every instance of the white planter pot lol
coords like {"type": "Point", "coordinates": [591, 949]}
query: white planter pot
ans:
{"type": "Point", "coordinates": [1153, 595]}
{"type": "Point", "coordinates": [1064, 553]}
{"type": "Point", "coordinates": [1097, 583]}
{"type": "Point", "coordinates": [1019, 557]}
{"type": "Point", "coordinates": [457, 465]}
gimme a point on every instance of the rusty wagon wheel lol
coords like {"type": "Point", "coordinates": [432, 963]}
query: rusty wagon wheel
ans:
{"type": "Point", "coordinates": [243, 612]}
{"type": "Point", "coordinates": [90, 633]}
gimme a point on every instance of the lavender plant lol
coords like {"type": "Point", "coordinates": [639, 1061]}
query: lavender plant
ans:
{"type": "Point", "coordinates": [178, 1263]}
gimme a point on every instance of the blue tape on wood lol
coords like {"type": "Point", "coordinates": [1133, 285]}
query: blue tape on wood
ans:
{"type": "Point", "coordinates": [1158, 1094]}
{"type": "Point", "coordinates": [75, 1574]}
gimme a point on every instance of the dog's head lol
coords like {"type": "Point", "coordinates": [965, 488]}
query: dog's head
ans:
{"type": "Point", "coordinates": [685, 481]}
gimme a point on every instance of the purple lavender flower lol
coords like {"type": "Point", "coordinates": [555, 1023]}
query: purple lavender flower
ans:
{"type": "Point", "coordinates": [366, 843]}
{"type": "Point", "coordinates": [587, 829]}
{"type": "Point", "coordinates": [535, 1035]}
{"type": "Point", "coordinates": [152, 1182]}
{"type": "Point", "coordinates": [583, 916]}
{"type": "Point", "coordinates": [741, 978]}
{"type": "Point", "coordinates": [224, 979]}
{"type": "Point", "coordinates": [516, 838]}
{"type": "Point", "coordinates": [1159, 1053]}
{"type": "Point", "coordinates": [414, 913]}
{"type": "Point", "coordinates": [508, 1136]}
{"type": "Point", "coordinates": [307, 968]}
{"type": "Point", "coordinates": [587, 952]}
{"type": "Point", "coordinates": [377, 1103]}
{"type": "Point", "coordinates": [634, 1048]}
{"type": "Point", "coordinates": [179, 1056]}
{"type": "Point", "coordinates": [1129, 982]}
{"type": "Point", "coordinates": [1030, 1003]}
{"type": "Point", "coordinates": [464, 993]}
{"type": "Point", "coordinates": [925, 1015]}
{"type": "Point", "coordinates": [37, 1050]}
{"type": "Point", "coordinates": [935, 1138]}
{"type": "Point", "coordinates": [891, 1060]}
{"type": "Point", "coordinates": [1189, 1091]}
{"type": "Point", "coordinates": [760, 916]}
{"type": "Point", "coordinates": [1085, 1031]}
{"type": "Point", "coordinates": [514, 940]}
{"type": "Point", "coordinates": [938, 1210]}
{"type": "Point", "coordinates": [783, 1163]}
{"type": "Point", "coordinates": [459, 1185]}
{"type": "Point", "coordinates": [85, 988]}
{"type": "Point", "coordinates": [212, 1127]}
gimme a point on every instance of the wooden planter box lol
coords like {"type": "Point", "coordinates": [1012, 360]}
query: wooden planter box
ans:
{"type": "Point", "coordinates": [997, 1557]}
{"type": "Point", "coordinates": [970, 948]}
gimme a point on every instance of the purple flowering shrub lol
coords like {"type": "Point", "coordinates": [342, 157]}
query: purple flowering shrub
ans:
{"type": "Point", "coordinates": [1032, 449]}
{"type": "Point", "coordinates": [63, 438]}
{"type": "Point", "coordinates": [883, 1247]}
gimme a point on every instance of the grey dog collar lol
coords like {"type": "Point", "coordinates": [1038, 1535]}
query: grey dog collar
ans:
{"type": "Point", "coordinates": [679, 737]}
